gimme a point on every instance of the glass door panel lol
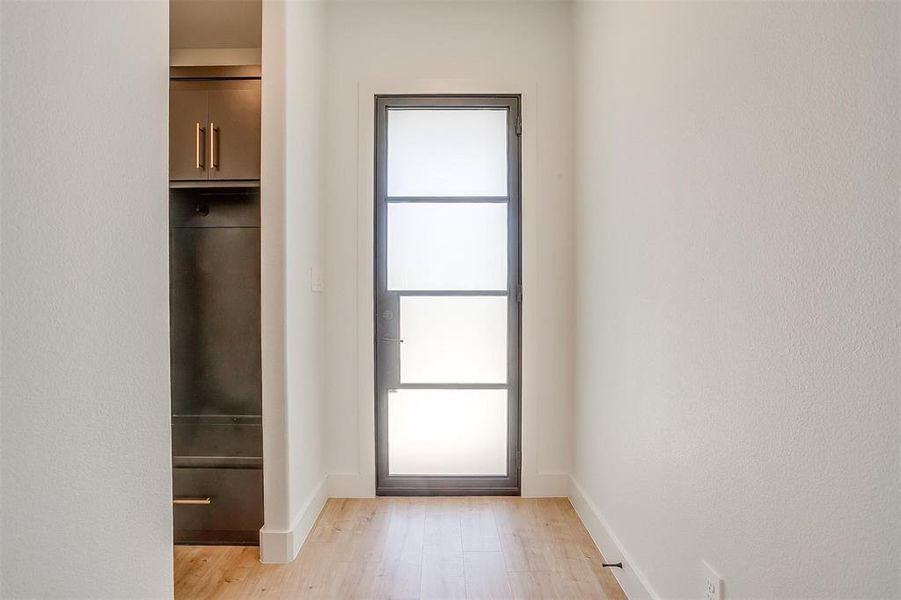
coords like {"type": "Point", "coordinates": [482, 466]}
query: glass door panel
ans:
{"type": "Point", "coordinates": [447, 295]}
{"type": "Point", "coordinates": [447, 432]}
{"type": "Point", "coordinates": [453, 339]}
{"type": "Point", "coordinates": [455, 152]}
{"type": "Point", "coordinates": [447, 246]}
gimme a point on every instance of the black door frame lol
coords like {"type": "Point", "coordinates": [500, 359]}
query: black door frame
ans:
{"type": "Point", "coordinates": [386, 347]}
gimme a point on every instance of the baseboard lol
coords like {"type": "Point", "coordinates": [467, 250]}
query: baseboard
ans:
{"type": "Point", "coordinates": [630, 577]}
{"type": "Point", "coordinates": [283, 546]}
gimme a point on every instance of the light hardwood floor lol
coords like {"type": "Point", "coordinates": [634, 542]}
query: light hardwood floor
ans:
{"type": "Point", "coordinates": [442, 548]}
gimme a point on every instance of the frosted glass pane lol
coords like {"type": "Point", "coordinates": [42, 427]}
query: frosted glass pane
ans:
{"type": "Point", "coordinates": [452, 339]}
{"type": "Point", "coordinates": [447, 152]}
{"type": "Point", "coordinates": [447, 246]}
{"type": "Point", "coordinates": [447, 432]}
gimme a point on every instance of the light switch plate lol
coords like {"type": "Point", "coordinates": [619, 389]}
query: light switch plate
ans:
{"type": "Point", "coordinates": [317, 282]}
{"type": "Point", "coordinates": [712, 582]}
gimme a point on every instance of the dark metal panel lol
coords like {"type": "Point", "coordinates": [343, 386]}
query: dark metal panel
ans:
{"type": "Point", "coordinates": [219, 419]}
{"type": "Point", "coordinates": [433, 486]}
{"type": "Point", "coordinates": [448, 199]}
{"type": "Point", "coordinates": [233, 514]}
{"type": "Point", "coordinates": [214, 275]}
{"type": "Point", "coordinates": [387, 305]}
{"type": "Point", "coordinates": [466, 293]}
{"type": "Point", "coordinates": [209, 442]}
{"type": "Point", "coordinates": [214, 208]}
{"type": "Point", "coordinates": [443, 101]}
{"type": "Point", "coordinates": [451, 386]}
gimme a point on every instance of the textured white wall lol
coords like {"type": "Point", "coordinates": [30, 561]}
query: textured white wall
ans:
{"type": "Point", "coordinates": [85, 352]}
{"type": "Point", "coordinates": [737, 292]}
{"type": "Point", "coordinates": [405, 43]}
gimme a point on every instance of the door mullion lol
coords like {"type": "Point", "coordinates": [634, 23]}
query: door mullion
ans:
{"type": "Point", "coordinates": [451, 386]}
{"type": "Point", "coordinates": [461, 293]}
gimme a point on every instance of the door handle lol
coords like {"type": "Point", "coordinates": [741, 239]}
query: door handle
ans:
{"type": "Point", "coordinates": [214, 159]}
{"type": "Point", "coordinates": [198, 147]}
{"type": "Point", "coordinates": [390, 339]}
{"type": "Point", "coordinates": [192, 501]}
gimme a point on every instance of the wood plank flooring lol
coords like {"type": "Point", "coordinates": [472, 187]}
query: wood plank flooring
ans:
{"type": "Point", "coordinates": [415, 548]}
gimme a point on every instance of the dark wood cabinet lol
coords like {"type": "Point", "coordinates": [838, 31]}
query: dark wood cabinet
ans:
{"type": "Point", "coordinates": [214, 304]}
{"type": "Point", "coordinates": [214, 129]}
{"type": "Point", "coordinates": [217, 506]}
{"type": "Point", "coordinates": [187, 134]}
{"type": "Point", "coordinates": [235, 131]}
{"type": "Point", "coordinates": [216, 386]}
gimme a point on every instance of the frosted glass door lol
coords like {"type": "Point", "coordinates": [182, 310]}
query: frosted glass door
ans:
{"type": "Point", "coordinates": [456, 152]}
{"type": "Point", "coordinates": [447, 295]}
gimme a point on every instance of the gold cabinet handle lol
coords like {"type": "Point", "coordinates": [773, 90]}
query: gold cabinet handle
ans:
{"type": "Point", "coordinates": [214, 158]}
{"type": "Point", "coordinates": [198, 147]}
{"type": "Point", "coordinates": [192, 501]}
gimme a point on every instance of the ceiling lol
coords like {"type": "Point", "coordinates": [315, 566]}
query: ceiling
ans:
{"type": "Point", "coordinates": [215, 23]}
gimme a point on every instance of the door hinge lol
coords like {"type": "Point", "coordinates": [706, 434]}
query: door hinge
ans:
{"type": "Point", "coordinates": [518, 125]}
{"type": "Point", "coordinates": [519, 459]}
{"type": "Point", "coordinates": [519, 293]}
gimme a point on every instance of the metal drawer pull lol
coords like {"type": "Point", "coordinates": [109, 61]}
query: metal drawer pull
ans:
{"type": "Point", "coordinates": [214, 159]}
{"type": "Point", "coordinates": [192, 501]}
{"type": "Point", "coordinates": [198, 163]}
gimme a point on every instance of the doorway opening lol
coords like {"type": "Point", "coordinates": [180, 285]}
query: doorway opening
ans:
{"type": "Point", "coordinates": [448, 295]}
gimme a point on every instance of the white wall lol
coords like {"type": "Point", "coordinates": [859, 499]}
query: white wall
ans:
{"type": "Point", "coordinates": [448, 46]}
{"type": "Point", "coordinates": [294, 470]}
{"type": "Point", "coordinates": [303, 221]}
{"type": "Point", "coordinates": [737, 293]}
{"type": "Point", "coordinates": [85, 352]}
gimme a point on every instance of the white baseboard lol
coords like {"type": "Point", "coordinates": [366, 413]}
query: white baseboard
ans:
{"type": "Point", "coordinates": [630, 577]}
{"type": "Point", "coordinates": [283, 546]}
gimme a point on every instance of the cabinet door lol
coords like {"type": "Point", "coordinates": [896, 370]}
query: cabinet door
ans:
{"type": "Point", "coordinates": [235, 131]}
{"type": "Point", "coordinates": [188, 134]}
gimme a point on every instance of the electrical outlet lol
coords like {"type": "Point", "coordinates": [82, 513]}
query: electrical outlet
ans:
{"type": "Point", "coordinates": [713, 584]}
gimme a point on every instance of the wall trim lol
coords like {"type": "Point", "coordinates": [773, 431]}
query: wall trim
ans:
{"type": "Point", "coordinates": [630, 578]}
{"type": "Point", "coordinates": [282, 546]}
